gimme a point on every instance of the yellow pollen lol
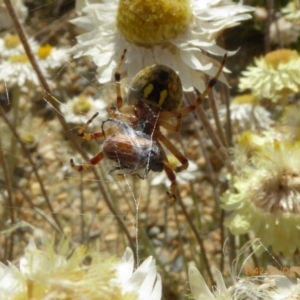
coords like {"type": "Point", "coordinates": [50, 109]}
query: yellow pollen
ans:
{"type": "Point", "coordinates": [81, 105]}
{"type": "Point", "coordinates": [44, 51]}
{"type": "Point", "coordinates": [12, 41]}
{"type": "Point", "coordinates": [276, 57]}
{"type": "Point", "coordinates": [18, 59]}
{"type": "Point", "coordinates": [151, 22]}
{"type": "Point", "coordinates": [246, 99]}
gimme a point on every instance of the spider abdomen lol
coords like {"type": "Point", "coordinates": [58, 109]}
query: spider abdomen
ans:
{"type": "Point", "coordinates": [134, 154]}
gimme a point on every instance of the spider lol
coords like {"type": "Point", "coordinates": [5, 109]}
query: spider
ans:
{"type": "Point", "coordinates": [154, 101]}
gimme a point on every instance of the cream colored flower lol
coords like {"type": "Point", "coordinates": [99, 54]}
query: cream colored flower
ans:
{"type": "Point", "coordinates": [292, 12]}
{"type": "Point", "coordinates": [12, 283]}
{"type": "Point", "coordinates": [283, 31]}
{"type": "Point", "coordinates": [200, 290]}
{"type": "Point", "coordinates": [291, 123]}
{"type": "Point", "coordinates": [284, 288]}
{"type": "Point", "coordinates": [274, 76]}
{"type": "Point", "coordinates": [266, 200]}
{"type": "Point", "coordinates": [174, 33]}
{"type": "Point", "coordinates": [45, 274]}
{"type": "Point", "coordinates": [246, 113]}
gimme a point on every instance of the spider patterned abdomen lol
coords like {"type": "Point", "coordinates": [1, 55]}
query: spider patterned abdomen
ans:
{"type": "Point", "coordinates": [158, 86]}
{"type": "Point", "coordinates": [134, 155]}
{"type": "Point", "coordinates": [132, 149]}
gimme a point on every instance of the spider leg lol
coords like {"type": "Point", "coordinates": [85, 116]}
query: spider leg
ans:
{"type": "Point", "coordinates": [94, 135]}
{"type": "Point", "coordinates": [125, 113]}
{"type": "Point", "coordinates": [170, 174]}
{"type": "Point", "coordinates": [171, 127]}
{"type": "Point", "coordinates": [178, 154]}
{"type": "Point", "coordinates": [173, 189]}
{"type": "Point", "coordinates": [118, 79]}
{"type": "Point", "coordinates": [189, 108]}
{"type": "Point", "coordinates": [93, 161]}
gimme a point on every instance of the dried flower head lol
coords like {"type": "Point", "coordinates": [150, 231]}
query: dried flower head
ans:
{"type": "Point", "coordinates": [45, 274]}
{"type": "Point", "coordinates": [283, 31]}
{"type": "Point", "coordinates": [247, 114]}
{"type": "Point", "coordinates": [274, 76]}
{"type": "Point", "coordinates": [291, 123]}
{"type": "Point", "coordinates": [267, 197]}
{"type": "Point", "coordinates": [200, 290]}
{"type": "Point", "coordinates": [292, 12]}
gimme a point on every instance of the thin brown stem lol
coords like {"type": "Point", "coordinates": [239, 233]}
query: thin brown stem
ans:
{"type": "Point", "coordinates": [10, 203]}
{"type": "Point", "coordinates": [225, 99]}
{"type": "Point", "coordinates": [215, 139]}
{"type": "Point", "coordinates": [270, 10]}
{"type": "Point", "coordinates": [198, 238]}
{"type": "Point", "coordinates": [35, 171]}
{"type": "Point", "coordinates": [52, 101]}
{"type": "Point", "coordinates": [213, 106]}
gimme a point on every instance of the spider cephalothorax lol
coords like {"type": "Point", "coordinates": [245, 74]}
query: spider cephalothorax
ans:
{"type": "Point", "coordinates": [154, 101]}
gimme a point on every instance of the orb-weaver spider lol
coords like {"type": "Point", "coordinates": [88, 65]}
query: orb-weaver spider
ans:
{"type": "Point", "coordinates": [154, 98]}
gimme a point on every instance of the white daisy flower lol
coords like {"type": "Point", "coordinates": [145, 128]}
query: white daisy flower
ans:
{"type": "Point", "coordinates": [274, 76]}
{"type": "Point", "coordinates": [247, 114]}
{"type": "Point", "coordinates": [52, 57]}
{"type": "Point", "coordinates": [11, 45]}
{"type": "Point", "coordinates": [79, 109]}
{"type": "Point", "coordinates": [174, 33]}
{"type": "Point", "coordinates": [16, 70]}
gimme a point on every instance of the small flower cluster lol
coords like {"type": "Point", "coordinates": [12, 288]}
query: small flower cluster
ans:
{"type": "Point", "coordinates": [272, 284]}
{"type": "Point", "coordinates": [16, 69]}
{"type": "Point", "coordinates": [45, 274]}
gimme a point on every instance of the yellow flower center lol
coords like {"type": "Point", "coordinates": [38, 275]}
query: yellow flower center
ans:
{"type": "Point", "coordinates": [276, 57]}
{"type": "Point", "coordinates": [44, 51]}
{"type": "Point", "coordinates": [12, 41]}
{"type": "Point", "coordinates": [81, 105]}
{"type": "Point", "coordinates": [246, 99]}
{"type": "Point", "coordinates": [152, 22]}
{"type": "Point", "coordinates": [18, 59]}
